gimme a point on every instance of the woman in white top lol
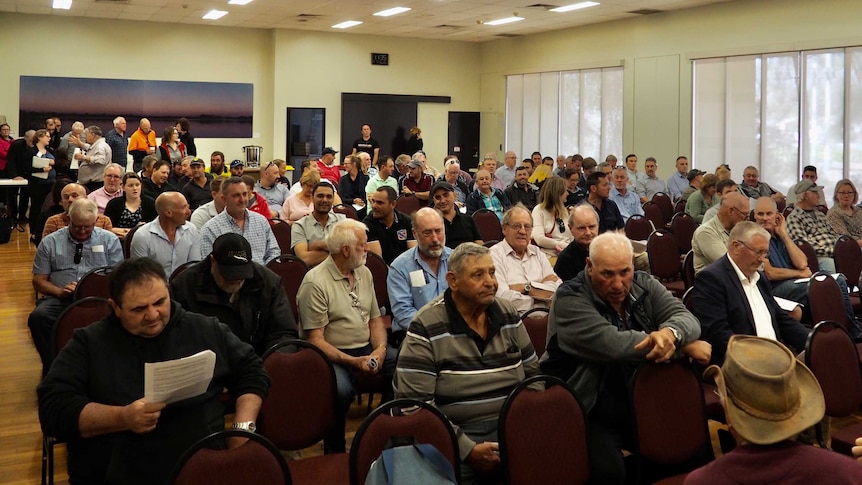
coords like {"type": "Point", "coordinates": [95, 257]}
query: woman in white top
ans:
{"type": "Point", "coordinates": [550, 218]}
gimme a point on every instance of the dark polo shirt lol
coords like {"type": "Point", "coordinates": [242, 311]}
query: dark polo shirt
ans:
{"type": "Point", "coordinates": [393, 239]}
{"type": "Point", "coordinates": [462, 229]}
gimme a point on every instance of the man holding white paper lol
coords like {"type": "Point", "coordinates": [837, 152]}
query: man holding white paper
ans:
{"type": "Point", "coordinates": [93, 395]}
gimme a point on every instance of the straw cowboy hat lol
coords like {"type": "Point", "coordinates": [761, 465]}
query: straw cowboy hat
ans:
{"type": "Point", "coordinates": [769, 396]}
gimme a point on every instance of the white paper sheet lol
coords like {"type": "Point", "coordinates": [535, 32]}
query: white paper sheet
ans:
{"type": "Point", "coordinates": [786, 305]}
{"type": "Point", "coordinates": [40, 163]}
{"type": "Point", "coordinates": [73, 163]}
{"type": "Point", "coordinates": [175, 380]}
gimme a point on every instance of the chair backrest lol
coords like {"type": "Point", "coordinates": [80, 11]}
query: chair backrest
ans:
{"type": "Point", "coordinates": [663, 255]}
{"type": "Point", "coordinates": [822, 208]}
{"type": "Point", "coordinates": [210, 461]}
{"type": "Point", "coordinates": [535, 321]}
{"type": "Point", "coordinates": [806, 248]}
{"type": "Point", "coordinates": [292, 270]}
{"type": "Point", "coordinates": [679, 206]}
{"type": "Point", "coordinates": [688, 299]}
{"type": "Point", "coordinates": [300, 407]}
{"type": "Point", "coordinates": [654, 214]}
{"type": "Point", "coordinates": [347, 210]}
{"type": "Point", "coordinates": [542, 435]}
{"type": "Point", "coordinates": [94, 283]}
{"type": "Point", "coordinates": [781, 204]}
{"type": "Point", "coordinates": [638, 228]}
{"type": "Point", "coordinates": [127, 242]}
{"type": "Point", "coordinates": [379, 272]}
{"type": "Point", "coordinates": [787, 210]}
{"type": "Point", "coordinates": [401, 418]}
{"type": "Point", "coordinates": [490, 244]}
{"type": "Point", "coordinates": [688, 269]}
{"type": "Point", "coordinates": [79, 314]}
{"type": "Point", "coordinates": [825, 300]}
{"type": "Point", "coordinates": [683, 226]}
{"type": "Point", "coordinates": [488, 224]}
{"type": "Point", "coordinates": [281, 230]}
{"type": "Point", "coordinates": [408, 204]}
{"type": "Point", "coordinates": [832, 356]}
{"type": "Point", "coordinates": [670, 419]}
{"type": "Point", "coordinates": [181, 268]}
{"type": "Point", "coordinates": [664, 203]}
{"type": "Point", "coordinates": [848, 258]}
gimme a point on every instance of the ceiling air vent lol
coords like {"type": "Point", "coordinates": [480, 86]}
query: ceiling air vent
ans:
{"type": "Point", "coordinates": [646, 11]}
{"type": "Point", "coordinates": [542, 5]}
{"type": "Point", "coordinates": [508, 35]}
{"type": "Point", "coordinates": [115, 2]}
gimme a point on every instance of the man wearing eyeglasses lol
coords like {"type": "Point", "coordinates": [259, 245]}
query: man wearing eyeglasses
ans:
{"type": "Point", "coordinates": [62, 259]}
{"type": "Point", "coordinates": [584, 224]}
{"type": "Point", "coordinates": [113, 188]}
{"type": "Point", "coordinates": [339, 313]}
{"type": "Point", "coordinates": [520, 265]}
{"type": "Point", "coordinates": [731, 296]}
{"type": "Point", "coordinates": [710, 238]}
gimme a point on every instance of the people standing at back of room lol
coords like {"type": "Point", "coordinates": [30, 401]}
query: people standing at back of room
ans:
{"type": "Point", "coordinates": [365, 143]}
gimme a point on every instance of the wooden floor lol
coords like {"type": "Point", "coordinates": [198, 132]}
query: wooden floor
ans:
{"type": "Point", "coordinates": [20, 370]}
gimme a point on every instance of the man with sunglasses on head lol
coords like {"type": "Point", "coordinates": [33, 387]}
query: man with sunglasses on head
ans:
{"type": "Point", "coordinates": [519, 264]}
{"type": "Point", "coordinates": [710, 239]}
{"type": "Point", "coordinates": [62, 259]}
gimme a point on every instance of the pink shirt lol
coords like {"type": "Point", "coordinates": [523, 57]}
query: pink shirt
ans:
{"type": "Point", "coordinates": [101, 198]}
{"type": "Point", "coordinates": [295, 209]}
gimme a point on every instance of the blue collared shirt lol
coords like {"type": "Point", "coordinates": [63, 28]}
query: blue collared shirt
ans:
{"type": "Point", "coordinates": [406, 297]}
{"type": "Point", "coordinates": [275, 195]}
{"type": "Point", "coordinates": [56, 255]}
{"type": "Point", "coordinates": [150, 241]}
{"type": "Point", "coordinates": [264, 246]}
{"type": "Point", "coordinates": [676, 184]}
{"type": "Point", "coordinates": [629, 204]}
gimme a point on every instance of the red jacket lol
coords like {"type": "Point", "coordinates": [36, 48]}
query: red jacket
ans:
{"type": "Point", "coordinates": [333, 174]}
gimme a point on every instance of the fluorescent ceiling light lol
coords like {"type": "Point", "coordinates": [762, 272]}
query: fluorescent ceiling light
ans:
{"type": "Point", "coordinates": [62, 4]}
{"type": "Point", "coordinates": [346, 24]}
{"type": "Point", "coordinates": [507, 20]}
{"type": "Point", "coordinates": [574, 6]}
{"type": "Point", "coordinates": [239, 2]}
{"type": "Point", "coordinates": [392, 11]}
{"type": "Point", "coordinates": [214, 14]}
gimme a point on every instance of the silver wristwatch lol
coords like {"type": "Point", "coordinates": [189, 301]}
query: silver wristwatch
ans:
{"type": "Point", "coordinates": [527, 288]}
{"type": "Point", "coordinates": [245, 426]}
{"type": "Point", "coordinates": [676, 335]}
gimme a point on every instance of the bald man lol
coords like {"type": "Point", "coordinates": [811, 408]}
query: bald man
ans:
{"type": "Point", "coordinates": [506, 173]}
{"type": "Point", "coordinates": [142, 143]}
{"type": "Point", "coordinates": [710, 239]}
{"type": "Point", "coordinates": [69, 194]}
{"type": "Point", "coordinates": [168, 239]}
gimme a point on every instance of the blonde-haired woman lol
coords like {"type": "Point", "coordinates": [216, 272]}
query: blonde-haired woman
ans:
{"type": "Point", "coordinates": [301, 204]}
{"type": "Point", "coordinates": [551, 219]}
{"type": "Point", "coordinates": [845, 216]}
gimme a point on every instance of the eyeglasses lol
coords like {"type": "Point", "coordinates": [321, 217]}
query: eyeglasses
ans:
{"type": "Point", "coordinates": [355, 303]}
{"type": "Point", "coordinates": [79, 252]}
{"type": "Point", "coordinates": [620, 167]}
{"type": "Point", "coordinates": [762, 253]}
{"type": "Point", "coordinates": [741, 212]}
{"type": "Point", "coordinates": [518, 227]}
{"type": "Point", "coordinates": [560, 224]}
{"type": "Point", "coordinates": [844, 192]}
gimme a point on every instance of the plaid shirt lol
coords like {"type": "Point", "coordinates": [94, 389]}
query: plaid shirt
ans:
{"type": "Point", "coordinates": [264, 247]}
{"type": "Point", "coordinates": [119, 147]}
{"type": "Point", "coordinates": [813, 227]}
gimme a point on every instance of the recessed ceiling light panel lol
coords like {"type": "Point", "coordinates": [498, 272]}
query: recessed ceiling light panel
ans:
{"type": "Point", "coordinates": [346, 24]}
{"type": "Point", "coordinates": [62, 4]}
{"type": "Point", "coordinates": [574, 6]}
{"type": "Point", "coordinates": [507, 20]}
{"type": "Point", "coordinates": [239, 2]}
{"type": "Point", "coordinates": [392, 11]}
{"type": "Point", "coordinates": [214, 14]}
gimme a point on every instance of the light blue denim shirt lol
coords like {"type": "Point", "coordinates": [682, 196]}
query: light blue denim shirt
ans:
{"type": "Point", "coordinates": [405, 296]}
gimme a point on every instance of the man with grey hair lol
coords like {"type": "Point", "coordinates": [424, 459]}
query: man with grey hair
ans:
{"type": "Point", "coordinates": [92, 163]}
{"type": "Point", "coordinates": [467, 329]}
{"type": "Point", "coordinates": [604, 322]}
{"type": "Point", "coordinates": [70, 141]}
{"type": "Point", "coordinates": [62, 259]}
{"type": "Point", "coordinates": [732, 296]}
{"type": "Point", "coordinates": [346, 327]}
{"type": "Point", "coordinates": [506, 173]}
{"type": "Point", "coordinates": [605, 167]}
{"type": "Point", "coordinates": [113, 187]}
{"type": "Point", "coordinates": [753, 188]}
{"type": "Point", "coordinates": [709, 242]}
{"type": "Point", "coordinates": [119, 142]}
{"type": "Point", "coordinates": [418, 275]}
{"type": "Point", "coordinates": [169, 239]}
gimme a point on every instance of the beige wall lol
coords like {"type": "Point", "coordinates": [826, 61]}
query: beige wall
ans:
{"type": "Point", "coordinates": [288, 69]}
{"type": "Point", "coordinates": [656, 51]}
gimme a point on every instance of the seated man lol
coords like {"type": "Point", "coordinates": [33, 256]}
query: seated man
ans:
{"type": "Point", "coordinates": [93, 397]}
{"type": "Point", "coordinates": [169, 239]}
{"type": "Point", "coordinates": [245, 296]}
{"type": "Point", "coordinates": [695, 179]}
{"type": "Point", "coordinates": [113, 188]}
{"type": "Point", "coordinates": [520, 264]}
{"type": "Point", "coordinates": [709, 242]}
{"type": "Point", "coordinates": [236, 218]}
{"type": "Point", "coordinates": [584, 223]}
{"type": "Point", "coordinates": [271, 189]}
{"type": "Point", "coordinates": [390, 231]}
{"type": "Point", "coordinates": [627, 200]}
{"type": "Point", "coordinates": [603, 323]}
{"type": "Point", "coordinates": [787, 264]}
{"type": "Point", "coordinates": [808, 223]}
{"type": "Point", "coordinates": [339, 314]}
{"type": "Point", "coordinates": [204, 213]}
{"type": "Point", "coordinates": [416, 183]}
{"type": "Point", "coordinates": [470, 330]}
{"type": "Point", "coordinates": [731, 296]}
{"type": "Point", "coordinates": [753, 188]}
{"type": "Point", "coordinates": [62, 259]}
{"type": "Point", "coordinates": [809, 172]}
{"type": "Point", "coordinates": [198, 191]}
{"type": "Point", "coordinates": [765, 427]}
{"type": "Point", "coordinates": [650, 184]}
{"type": "Point", "coordinates": [485, 196]}
{"type": "Point", "coordinates": [418, 275]}
{"type": "Point", "coordinates": [69, 194]}
{"type": "Point", "coordinates": [459, 227]}
{"type": "Point", "coordinates": [521, 191]}
{"type": "Point", "coordinates": [722, 188]}
{"type": "Point", "coordinates": [598, 190]}
{"type": "Point", "coordinates": [308, 235]}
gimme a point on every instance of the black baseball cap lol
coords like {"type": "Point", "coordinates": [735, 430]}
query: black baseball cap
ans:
{"type": "Point", "coordinates": [233, 255]}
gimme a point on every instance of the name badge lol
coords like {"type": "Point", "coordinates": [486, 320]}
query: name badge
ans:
{"type": "Point", "coordinates": [417, 278]}
{"type": "Point", "coordinates": [98, 248]}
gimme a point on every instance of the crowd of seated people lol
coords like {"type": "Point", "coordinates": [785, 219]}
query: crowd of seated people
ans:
{"type": "Point", "coordinates": [454, 303]}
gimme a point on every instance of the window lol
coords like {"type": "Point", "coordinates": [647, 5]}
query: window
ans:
{"type": "Point", "coordinates": [781, 112]}
{"type": "Point", "coordinates": [565, 112]}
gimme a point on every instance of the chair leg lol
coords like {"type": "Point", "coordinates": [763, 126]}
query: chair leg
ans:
{"type": "Point", "coordinates": [44, 460]}
{"type": "Point", "coordinates": [370, 403]}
